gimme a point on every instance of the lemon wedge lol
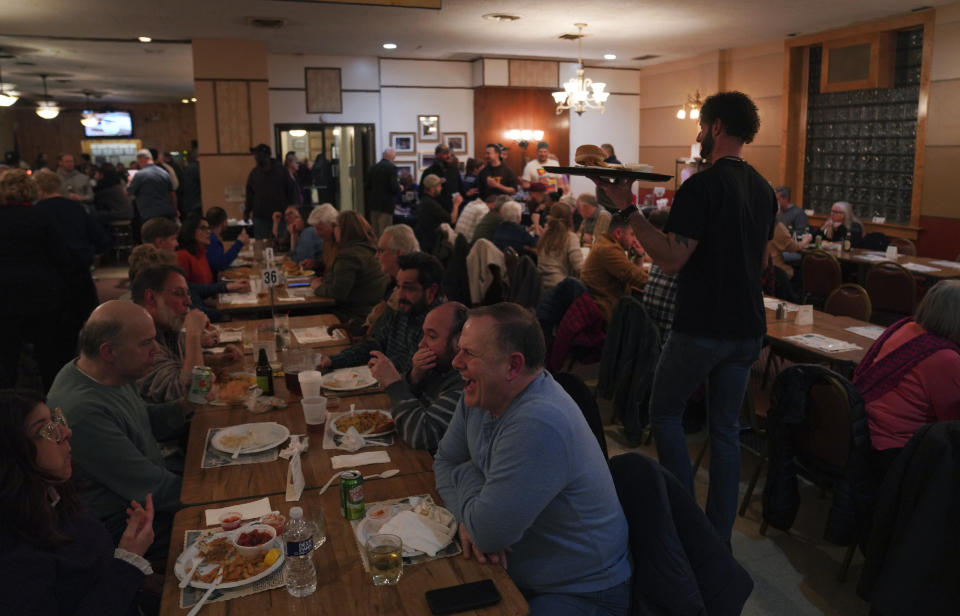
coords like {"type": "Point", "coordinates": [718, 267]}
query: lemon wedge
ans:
{"type": "Point", "coordinates": [271, 557]}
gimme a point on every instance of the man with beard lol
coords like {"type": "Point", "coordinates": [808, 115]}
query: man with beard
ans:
{"type": "Point", "coordinates": [114, 440]}
{"type": "Point", "coordinates": [423, 400]}
{"type": "Point", "coordinates": [534, 172]}
{"type": "Point", "coordinates": [451, 188]}
{"type": "Point", "coordinates": [163, 293]}
{"type": "Point", "coordinates": [397, 333]}
{"type": "Point", "coordinates": [715, 239]}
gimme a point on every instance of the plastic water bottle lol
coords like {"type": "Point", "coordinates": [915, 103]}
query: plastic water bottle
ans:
{"type": "Point", "coordinates": [300, 574]}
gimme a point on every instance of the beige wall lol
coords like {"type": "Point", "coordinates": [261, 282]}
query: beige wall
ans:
{"type": "Point", "coordinates": [233, 115]}
{"type": "Point", "coordinates": [756, 70]}
{"type": "Point", "coordinates": [943, 120]}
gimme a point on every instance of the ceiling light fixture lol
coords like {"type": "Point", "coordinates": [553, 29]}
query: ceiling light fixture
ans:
{"type": "Point", "coordinates": [691, 108]}
{"type": "Point", "coordinates": [581, 93]}
{"type": "Point", "coordinates": [46, 107]}
{"type": "Point", "coordinates": [144, 39]}
{"type": "Point", "coordinates": [609, 56]}
{"type": "Point", "coordinates": [7, 97]}
{"type": "Point", "coordinates": [88, 118]}
{"type": "Point", "coordinates": [501, 17]}
{"type": "Point", "coordinates": [389, 45]}
{"type": "Point", "coordinates": [297, 132]}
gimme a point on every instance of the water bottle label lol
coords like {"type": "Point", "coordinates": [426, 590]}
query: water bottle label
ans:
{"type": "Point", "coordinates": [299, 548]}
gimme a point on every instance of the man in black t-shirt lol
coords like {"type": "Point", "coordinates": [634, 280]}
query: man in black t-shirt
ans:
{"type": "Point", "coordinates": [496, 178]}
{"type": "Point", "coordinates": [715, 239]}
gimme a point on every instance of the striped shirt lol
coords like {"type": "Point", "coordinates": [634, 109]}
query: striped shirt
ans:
{"type": "Point", "coordinates": [423, 411]}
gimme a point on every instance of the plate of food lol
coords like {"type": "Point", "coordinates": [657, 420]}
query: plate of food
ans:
{"type": "Point", "coordinates": [349, 379]}
{"type": "Point", "coordinates": [250, 438]}
{"type": "Point", "coordinates": [293, 270]}
{"type": "Point", "coordinates": [590, 161]}
{"type": "Point", "coordinates": [233, 390]}
{"type": "Point", "coordinates": [379, 515]}
{"type": "Point", "coordinates": [367, 423]}
{"type": "Point", "coordinates": [237, 273]}
{"type": "Point", "coordinates": [246, 554]}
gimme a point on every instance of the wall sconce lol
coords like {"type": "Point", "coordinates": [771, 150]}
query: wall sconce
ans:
{"type": "Point", "coordinates": [691, 107]}
{"type": "Point", "coordinates": [523, 137]}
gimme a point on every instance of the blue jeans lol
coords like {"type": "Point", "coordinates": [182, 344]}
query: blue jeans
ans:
{"type": "Point", "coordinates": [614, 601]}
{"type": "Point", "coordinates": [685, 362]}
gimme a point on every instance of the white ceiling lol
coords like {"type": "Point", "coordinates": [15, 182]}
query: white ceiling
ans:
{"type": "Point", "coordinates": [40, 32]}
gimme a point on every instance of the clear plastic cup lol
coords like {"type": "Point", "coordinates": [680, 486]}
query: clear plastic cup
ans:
{"type": "Point", "coordinates": [311, 381]}
{"type": "Point", "coordinates": [314, 413]}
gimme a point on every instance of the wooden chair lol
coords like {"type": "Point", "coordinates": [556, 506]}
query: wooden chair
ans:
{"type": "Point", "coordinates": [820, 275]}
{"type": "Point", "coordinates": [904, 246]}
{"type": "Point", "coordinates": [893, 293]}
{"type": "Point", "coordinates": [849, 300]}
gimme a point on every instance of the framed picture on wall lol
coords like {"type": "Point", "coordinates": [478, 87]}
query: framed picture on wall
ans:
{"type": "Point", "coordinates": [426, 159]}
{"type": "Point", "coordinates": [457, 142]}
{"type": "Point", "coordinates": [428, 127]}
{"type": "Point", "coordinates": [410, 166]}
{"type": "Point", "coordinates": [403, 143]}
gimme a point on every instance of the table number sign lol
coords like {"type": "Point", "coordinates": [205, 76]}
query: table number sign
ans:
{"type": "Point", "coordinates": [271, 277]}
{"type": "Point", "coordinates": [805, 315]}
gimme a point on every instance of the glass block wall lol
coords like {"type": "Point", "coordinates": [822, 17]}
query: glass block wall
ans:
{"type": "Point", "coordinates": [860, 143]}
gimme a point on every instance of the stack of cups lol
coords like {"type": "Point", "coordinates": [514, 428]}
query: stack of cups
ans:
{"type": "Point", "coordinates": [314, 405]}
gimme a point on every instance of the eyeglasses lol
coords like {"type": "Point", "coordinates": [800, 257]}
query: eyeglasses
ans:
{"type": "Point", "coordinates": [55, 431]}
{"type": "Point", "coordinates": [204, 227]}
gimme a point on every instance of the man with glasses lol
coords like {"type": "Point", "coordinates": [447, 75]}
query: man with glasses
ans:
{"type": "Point", "coordinates": [163, 293]}
{"type": "Point", "coordinates": [397, 333]}
{"type": "Point", "coordinates": [115, 433]}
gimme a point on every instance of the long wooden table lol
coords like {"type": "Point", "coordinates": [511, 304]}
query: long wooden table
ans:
{"type": "Point", "coordinates": [343, 587]}
{"type": "Point", "coordinates": [262, 305]}
{"type": "Point", "coordinates": [262, 329]}
{"type": "Point", "coordinates": [862, 259]}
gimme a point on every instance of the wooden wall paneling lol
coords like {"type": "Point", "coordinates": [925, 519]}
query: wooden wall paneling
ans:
{"type": "Point", "coordinates": [534, 73]}
{"type": "Point", "coordinates": [324, 93]}
{"type": "Point", "coordinates": [167, 126]}
{"type": "Point", "coordinates": [499, 109]}
{"type": "Point", "coordinates": [794, 129]}
{"type": "Point", "coordinates": [232, 99]}
{"type": "Point", "coordinates": [206, 117]}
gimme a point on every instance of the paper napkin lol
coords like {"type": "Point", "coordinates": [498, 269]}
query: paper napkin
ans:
{"type": "Point", "coordinates": [418, 532]}
{"type": "Point", "coordinates": [250, 510]}
{"type": "Point", "coordinates": [360, 459]}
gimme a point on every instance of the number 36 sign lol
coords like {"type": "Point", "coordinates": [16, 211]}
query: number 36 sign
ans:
{"type": "Point", "coordinates": [271, 277]}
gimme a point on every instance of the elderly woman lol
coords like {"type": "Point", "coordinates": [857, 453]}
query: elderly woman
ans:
{"type": "Point", "coordinates": [305, 244]}
{"type": "Point", "coordinates": [35, 267]}
{"type": "Point", "coordinates": [323, 219]}
{"type": "Point", "coordinates": [558, 249]}
{"type": "Point", "coordinates": [57, 558]}
{"type": "Point", "coordinates": [510, 233]}
{"type": "Point", "coordinates": [911, 375]}
{"type": "Point", "coordinates": [355, 279]}
{"type": "Point", "coordinates": [842, 224]}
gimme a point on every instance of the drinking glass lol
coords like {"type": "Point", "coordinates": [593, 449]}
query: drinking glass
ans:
{"type": "Point", "coordinates": [319, 523]}
{"type": "Point", "coordinates": [384, 553]}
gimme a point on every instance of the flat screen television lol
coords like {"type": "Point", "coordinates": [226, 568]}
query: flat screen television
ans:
{"type": "Point", "coordinates": [110, 124]}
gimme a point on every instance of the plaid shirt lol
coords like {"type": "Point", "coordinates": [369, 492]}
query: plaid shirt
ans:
{"type": "Point", "coordinates": [660, 298]}
{"type": "Point", "coordinates": [396, 334]}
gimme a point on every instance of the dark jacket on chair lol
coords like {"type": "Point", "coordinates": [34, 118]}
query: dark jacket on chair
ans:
{"type": "Point", "coordinates": [581, 330]}
{"type": "Point", "coordinates": [526, 283]}
{"type": "Point", "coordinates": [912, 565]}
{"type": "Point", "coordinates": [680, 565]}
{"type": "Point", "coordinates": [554, 305]}
{"type": "Point", "coordinates": [628, 362]}
{"type": "Point", "coordinates": [853, 498]}
{"type": "Point", "coordinates": [455, 280]}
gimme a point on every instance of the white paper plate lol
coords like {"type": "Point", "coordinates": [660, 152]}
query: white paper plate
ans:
{"type": "Point", "coordinates": [364, 379]}
{"type": "Point", "coordinates": [182, 567]}
{"type": "Point", "coordinates": [262, 436]}
{"type": "Point", "coordinates": [335, 430]}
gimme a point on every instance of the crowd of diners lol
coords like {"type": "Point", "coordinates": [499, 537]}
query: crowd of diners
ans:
{"type": "Point", "coordinates": [93, 417]}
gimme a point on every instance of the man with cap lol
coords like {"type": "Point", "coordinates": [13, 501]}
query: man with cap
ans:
{"type": "Point", "coordinates": [534, 172]}
{"type": "Point", "coordinates": [269, 189]}
{"type": "Point", "coordinates": [444, 168]}
{"type": "Point", "coordinates": [431, 214]}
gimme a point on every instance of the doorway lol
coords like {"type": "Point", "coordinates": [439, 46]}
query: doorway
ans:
{"type": "Point", "coordinates": [338, 156]}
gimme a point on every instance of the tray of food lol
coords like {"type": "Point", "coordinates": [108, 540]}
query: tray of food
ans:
{"type": "Point", "coordinates": [367, 423]}
{"type": "Point", "coordinates": [237, 273]}
{"type": "Point", "coordinates": [589, 159]}
{"type": "Point", "coordinates": [246, 554]}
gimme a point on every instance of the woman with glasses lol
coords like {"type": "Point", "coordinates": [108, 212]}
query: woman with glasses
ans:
{"type": "Point", "coordinates": [841, 224]}
{"type": "Point", "coordinates": [55, 557]}
{"type": "Point", "coordinates": [354, 279]}
{"type": "Point", "coordinates": [192, 254]}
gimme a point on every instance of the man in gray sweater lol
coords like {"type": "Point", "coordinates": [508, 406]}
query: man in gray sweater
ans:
{"type": "Point", "coordinates": [114, 442]}
{"type": "Point", "coordinates": [522, 472]}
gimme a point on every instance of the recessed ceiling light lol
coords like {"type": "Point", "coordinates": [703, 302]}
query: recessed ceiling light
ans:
{"type": "Point", "coordinates": [389, 45]}
{"type": "Point", "coordinates": [609, 56]}
{"type": "Point", "coordinates": [144, 39]}
{"type": "Point", "coordinates": [501, 17]}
